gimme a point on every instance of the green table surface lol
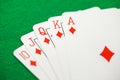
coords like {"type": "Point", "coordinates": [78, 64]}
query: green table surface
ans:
{"type": "Point", "coordinates": [17, 18]}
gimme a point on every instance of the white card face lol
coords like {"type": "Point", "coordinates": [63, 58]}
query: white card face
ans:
{"type": "Point", "coordinates": [70, 26]}
{"type": "Point", "coordinates": [32, 44]}
{"type": "Point", "coordinates": [48, 46]}
{"type": "Point", "coordinates": [91, 45]}
{"type": "Point", "coordinates": [57, 32]}
{"type": "Point", "coordinates": [30, 63]}
{"type": "Point", "coordinates": [57, 28]}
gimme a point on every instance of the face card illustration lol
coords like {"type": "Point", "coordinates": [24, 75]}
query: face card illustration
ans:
{"type": "Point", "coordinates": [48, 46]}
{"type": "Point", "coordinates": [30, 63]}
{"type": "Point", "coordinates": [31, 43]}
{"type": "Point", "coordinates": [57, 36]}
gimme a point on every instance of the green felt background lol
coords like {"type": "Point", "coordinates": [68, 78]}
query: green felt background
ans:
{"type": "Point", "coordinates": [17, 18]}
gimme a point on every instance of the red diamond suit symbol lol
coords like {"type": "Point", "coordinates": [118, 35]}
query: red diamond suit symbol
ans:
{"type": "Point", "coordinates": [107, 54]}
{"type": "Point", "coordinates": [72, 30]}
{"type": "Point", "coordinates": [33, 63]}
{"type": "Point", "coordinates": [46, 40]}
{"type": "Point", "coordinates": [59, 34]}
{"type": "Point", "coordinates": [38, 51]}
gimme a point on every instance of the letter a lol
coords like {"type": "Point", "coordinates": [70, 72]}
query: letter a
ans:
{"type": "Point", "coordinates": [71, 21]}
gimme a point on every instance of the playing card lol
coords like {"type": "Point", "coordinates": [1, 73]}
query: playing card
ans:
{"type": "Point", "coordinates": [48, 46]}
{"type": "Point", "coordinates": [57, 36]}
{"type": "Point", "coordinates": [67, 47]}
{"type": "Point", "coordinates": [88, 44]}
{"type": "Point", "coordinates": [30, 63]}
{"type": "Point", "coordinates": [32, 44]}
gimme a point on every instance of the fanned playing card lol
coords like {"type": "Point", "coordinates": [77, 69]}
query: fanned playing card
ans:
{"type": "Point", "coordinates": [24, 56]}
{"type": "Point", "coordinates": [78, 45]}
